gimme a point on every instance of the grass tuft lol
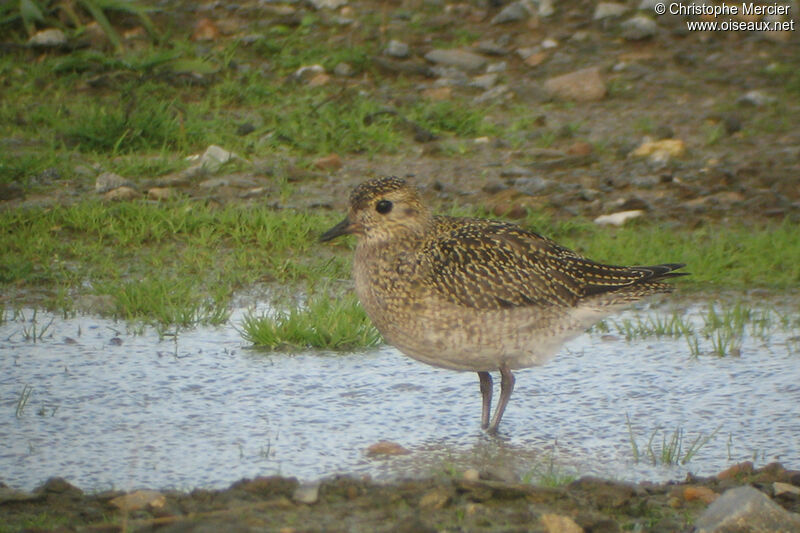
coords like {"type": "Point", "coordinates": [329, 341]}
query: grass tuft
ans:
{"type": "Point", "coordinates": [326, 322]}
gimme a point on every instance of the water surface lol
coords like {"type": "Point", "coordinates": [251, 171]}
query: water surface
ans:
{"type": "Point", "coordinates": [110, 408]}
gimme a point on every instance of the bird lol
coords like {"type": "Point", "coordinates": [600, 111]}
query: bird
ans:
{"type": "Point", "coordinates": [474, 294]}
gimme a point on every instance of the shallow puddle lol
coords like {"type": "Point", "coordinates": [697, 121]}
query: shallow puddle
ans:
{"type": "Point", "coordinates": [106, 408]}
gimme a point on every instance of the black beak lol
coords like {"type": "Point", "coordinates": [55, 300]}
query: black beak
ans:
{"type": "Point", "coordinates": [342, 228]}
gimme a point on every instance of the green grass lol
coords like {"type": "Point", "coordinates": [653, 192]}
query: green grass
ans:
{"type": "Point", "coordinates": [174, 263]}
{"type": "Point", "coordinates": [719, 329]}
{"type": "Point", "coordinates": [326, 321]}
{"type": "Point", "coordinates": [180, 262]}
{"type": "Point", "coordinates": [673, 449]}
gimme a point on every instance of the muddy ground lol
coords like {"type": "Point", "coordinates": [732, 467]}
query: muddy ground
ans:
{"type": "Point", "coordinates": [357, 505]}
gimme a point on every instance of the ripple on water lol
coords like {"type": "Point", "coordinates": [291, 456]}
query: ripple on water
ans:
{"type": "Point", "coordinates": [206, 412]}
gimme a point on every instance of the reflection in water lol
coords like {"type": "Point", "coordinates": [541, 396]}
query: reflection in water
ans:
{"type": "Point", "coordinates": [206, 411]}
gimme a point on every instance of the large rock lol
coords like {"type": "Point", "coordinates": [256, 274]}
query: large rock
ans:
{"type": "Point", "coordinates": [745, 509]}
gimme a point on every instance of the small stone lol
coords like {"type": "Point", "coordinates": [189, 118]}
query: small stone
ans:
{"type": "Point", "coordinates": [214, 157]}
{"type": "Point", "coordinates": [307, 493]}
{"type": "Point", "coordinates": [756, 98]}
{"type": "Point", "coordinates": [121, 194]}
{"type": "Point", "coordinates": [205, 30]}
{"type": "Point", "coordinates": [513, 13]}
{"type": "Point", "coordinates": [660, 151]}
{"type": "Point", "coordinates": [548, 44]}
{"type": "Point", "coordinates": [484, 81]}
{"type": "Point", "coordinates": [49, 38]}
{"type": "Point", "coordinates": [343, 70]}
{"type": "Point", "coordinates": [500, 66]}
{"type": "Point", "coordinates": [108, 181]}
{"type": "Point", "coordinates": [703, 494]}
{"type": "Point", "coordinates": [386, 447]}
{"type": "Point", "coordinates": [546, 8]}
{"type": "Point", "coordinates": [554, 523]}
{"type": "Point", "coordinates": [535, 59]}
{"type": "Point", "coordinates": [746, 509]}
{"type": "Point", "coordinates": [460, 59]}
{"type": "Point", "coordinates": [397, 49]}
{"type": "Point", "coordinates": [160, 193]}
{"type": "Point", "coordinates": [605, 10]}
{"type": "Point", "coordinates": [328, 162]}
{"type": "Point", "coordinates": [307, 72]}
{"type": "Point", "coordinates": [319, 80]}
{"type": "Point", "coordinates": [638, 28]}
{"type": "Point", "coordinates": [785, 489]}
{"type": "Point", "coordinates": [58, 485]}
{"type": "Point", "coordinates": [438, 93]}
{"type": "Point", "coordinates": [140, 499]}
{"type": "Point", "coordinates": [435, 499]}
{"type": "Point", "coordinates": [583, 85]}
{"type": "Point", "coordinates": [495, 93]}
{"type": "Point", "coordinates": [470, 474]}
{"type": "Point", "coordinates": [580, 148]}
{"type": "Point", "coordinates": [490, 48]}
{"type": "Point", "coordinates": [619, 218]}
{"type": "Point", "coordinates": [328, 4]}
{"type": "Point", "coordinates": [737, 470]}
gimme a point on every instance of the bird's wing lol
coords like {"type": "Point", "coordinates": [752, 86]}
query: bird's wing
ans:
{"type": "Point", "coordinates": [493, 265]}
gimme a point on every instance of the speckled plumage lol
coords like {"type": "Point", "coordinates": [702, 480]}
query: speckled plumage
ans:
{"type": "Point", "coordinates": [475, 294]}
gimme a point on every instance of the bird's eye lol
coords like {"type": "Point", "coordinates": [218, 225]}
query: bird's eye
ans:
{"type": "Point", "coordinates": [383, 207]}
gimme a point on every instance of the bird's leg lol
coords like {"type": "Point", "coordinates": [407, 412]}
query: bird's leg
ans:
{"type": "Point", "coordinates": [506, 388]}
{"type": "Point", "coordinates": [486, 392]}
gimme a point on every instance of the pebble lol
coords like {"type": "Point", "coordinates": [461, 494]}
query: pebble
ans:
{"type": "Point", "coordinates": [397, 49]}
{"type": "Point", "coordinates": [490, 48]}
{"type": "Point", "coordinates": [108, 181]}
{"type": "Point", "coordinates": [214, 157]}
{"type": "Point", "coordinates": [782, 489]}
{"type": "Point", "coordinates": [484, 81]}
{"type": "Point", "coordinates": [660, 151]}
{"type": "Point", "coordinates": [160, 193]}
{"type": "Point", "coordinates": [307, 493]}
{"type": "Point", "coordinates": [344, 70]}
{"type": "Point", "coordinates": [307, 72]}
{"type": "Point", "coordinates": [121, 194]}
{"type": "Point", "coordinates": [49, 38]}
{"type": "Point", "coordinates": [605, 10]}
{"type": "Point", "coordinates": [471, 474]}
{"type": "Point", "coordinates": [546, 8]}
{"type": "Point", "coordinates": [703, 494]}
{"type": "Point", "coordinates": [327, 4]}
{"type": "Point", "coordinates": [436, 498]}
{"type": "Point", "coordinates": [500, 66]}
{"type": "Point", "coordinates": [619, 218]}
{"type": "Point", "coordinates": [386, 447]}
{"type": "Point", "coordinates": [460, 59]}
{"type": "Point", "coordinates": [513, 13]}
{"type": "Point", "coordinates": [746, 509]}
{"type": "Point", "coordinates": [583, 85]}
{"type": "Point", "coordinates": [328, 162]}
{"type": "Point", "coordinates": [140, 499]}
{"type": "Point", "coordinates": [638, 28]}
{"type": "Point", "coordinates": [756, 98]}
{"type": "Point", "coordinates": [495, 93]}
{"type": "Point", "coordinates": [548, 44]}
{"type": "Point", "coordinates": [555, 523]}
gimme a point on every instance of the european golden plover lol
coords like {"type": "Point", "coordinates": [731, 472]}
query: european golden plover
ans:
{"type": "Point", "coordinates": [474, 294]}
